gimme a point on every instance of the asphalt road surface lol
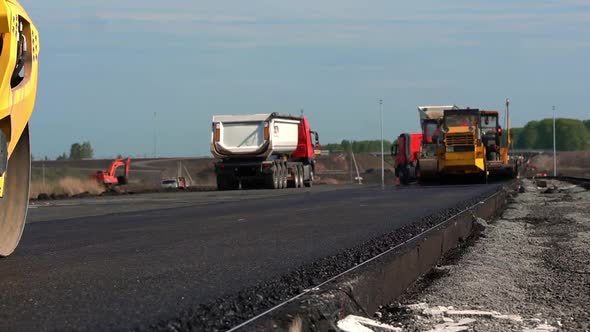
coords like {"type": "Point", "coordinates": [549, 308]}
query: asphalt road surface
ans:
{"type": "Point", "coordinates": [124, 262]}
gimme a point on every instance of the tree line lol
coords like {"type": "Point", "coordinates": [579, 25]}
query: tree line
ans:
{"type": "Point", "coordinates": [78, 151]}
{"type": "Point", "coordinates": [358, 146]}
{"type": "Point", "coordinates": [572, 135]}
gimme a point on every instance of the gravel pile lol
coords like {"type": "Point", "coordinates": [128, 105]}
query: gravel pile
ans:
{"type": "Point", "coordinates": [528, 271]}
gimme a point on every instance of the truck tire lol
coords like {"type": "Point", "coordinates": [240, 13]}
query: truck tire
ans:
{"type": "Point", "coordinates": [284, 172]}
{"type": "Point", "coordinates": [292, 183]}
{"type": "Point", "coordinates": [296, 177]}
{"type": "Point", "coordinates": [301, 176]}
{"type": "Point", "coordinates": [309, 181]}
{"type": "Point", "coordinates": [271, 180]}
{"type": "Point", "coordinates": [279, 176]}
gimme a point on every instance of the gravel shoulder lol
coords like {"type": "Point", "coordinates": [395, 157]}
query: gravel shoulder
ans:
{"type": "Point", "coordinates": [528, 271]}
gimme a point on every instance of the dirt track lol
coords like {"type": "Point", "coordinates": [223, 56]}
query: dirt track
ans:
{"type": "Point", "coordinates": [72, 177]}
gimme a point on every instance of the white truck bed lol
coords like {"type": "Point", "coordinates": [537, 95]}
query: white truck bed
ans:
{"type": "Point", "coordinates": [243, 135]}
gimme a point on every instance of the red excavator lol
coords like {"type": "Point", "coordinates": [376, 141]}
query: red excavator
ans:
{"type": "Point", "coordinates": [109, 177]}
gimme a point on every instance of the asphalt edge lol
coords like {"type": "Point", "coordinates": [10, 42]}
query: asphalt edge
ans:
{"type": "Point", "coordinates": [362, 289]}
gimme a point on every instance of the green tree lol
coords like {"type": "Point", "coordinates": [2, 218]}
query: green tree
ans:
{"type": "Point", "coordinates": [62, 156]}
{"type": "Point", "coordinates": [81, 151]}
{"type": "Point", "coordinates": [571, 135]}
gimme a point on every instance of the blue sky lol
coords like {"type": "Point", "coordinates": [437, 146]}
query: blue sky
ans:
{"type": "Point", "coordinates": [107, 66]}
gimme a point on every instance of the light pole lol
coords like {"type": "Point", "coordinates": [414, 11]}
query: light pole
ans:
{"type": "Point", "coordinates": [155, 136]}
{"type": "Point", "coordinates": [554, 146]}
{"type": "Point", "coordinates": [382, 154]}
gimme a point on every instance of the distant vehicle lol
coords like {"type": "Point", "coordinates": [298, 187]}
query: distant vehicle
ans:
{"type": "Point", "coordinates": [273, 151]}
{"type": "Point", "coordinates": [110, 178]}
{"type": "Point", "coordinates": [405, 153]}
{"type": "Point", "coordinates": [179, 183]}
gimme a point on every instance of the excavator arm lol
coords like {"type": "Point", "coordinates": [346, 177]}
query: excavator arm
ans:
{"type": "Point", "coordinates": [19, 52]}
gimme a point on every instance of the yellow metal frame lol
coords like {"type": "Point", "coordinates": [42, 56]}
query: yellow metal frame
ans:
{"type": "Point", "coordinates": [16, 103]}
{"type": "Point", "coordinates": [465, 162]}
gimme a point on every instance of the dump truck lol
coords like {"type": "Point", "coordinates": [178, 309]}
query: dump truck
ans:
{"type": "Point", "coordinates": [406, 152]}
{"type": "Point", "coordinates": [18, 90]}
{"type": "Point", "coordinates": [271, 150]}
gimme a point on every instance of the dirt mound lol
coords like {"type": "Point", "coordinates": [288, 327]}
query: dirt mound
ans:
{"type": "Point", "coordinates": [572, 163]}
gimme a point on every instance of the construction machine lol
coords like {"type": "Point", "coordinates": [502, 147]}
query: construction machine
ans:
{"type": "Point", "coordinates": [462, 152]}
{"type": "Point", "coordinates": [109, 177]}
{"type": "Point", "coordinates": [430, 122]}
{"type": "Point", "coordinates": [499, 163]}
{"type": "Point", "coordinates": [19, 54]}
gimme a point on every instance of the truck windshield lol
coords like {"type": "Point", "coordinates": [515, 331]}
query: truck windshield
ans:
{"type": "Point", "coordinates": [489, 121]}
{"type": "Point", "coordinates": [430, 130]}
{"type": "Point", "coordinates": [464, 120]}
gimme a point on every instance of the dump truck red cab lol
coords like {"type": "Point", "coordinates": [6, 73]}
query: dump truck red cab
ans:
{"type": "Point", "coordinates": [405, 152]}
{"type": "Point", "coordinates": [305, 146]}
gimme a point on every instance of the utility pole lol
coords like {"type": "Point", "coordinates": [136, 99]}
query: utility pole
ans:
{"type": "Point", "coordinates": [350, 156]}
{"type": "Point", "coordinates": [43, 167]}
{"type": "Point", "coordinates": [554, 146]}
{"type": "Point", "coordinates": [155, 136]}
{"type": "Point", "coordinates": [382, 154]}
{"type": "Point", "coordinates": [508, 138]}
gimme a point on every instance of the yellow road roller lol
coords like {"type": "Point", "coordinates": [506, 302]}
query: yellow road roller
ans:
{"type": "Point", "coordinates": [19, 47]}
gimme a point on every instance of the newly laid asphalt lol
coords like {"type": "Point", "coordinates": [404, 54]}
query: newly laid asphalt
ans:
{"type": "Point", "coordinates": [122, 262]}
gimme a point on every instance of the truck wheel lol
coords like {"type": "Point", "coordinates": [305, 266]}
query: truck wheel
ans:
{"type": "Point", "coordinates": [285, 175]}
{"type": "Point", "coordinates": [279, 173]}
{"type": "Point", "coordinates": [272, 180]}
{"type": "Point", "coordinates": [282, 176]}
{"type": "Point", "coordinates": [309, 182]}
{"type": "Point", "coordinates": [296, 178]}
{"type": "Point", "coordinates": [301, 176]}
{"type": "Point", "coordinates": [291, 183]}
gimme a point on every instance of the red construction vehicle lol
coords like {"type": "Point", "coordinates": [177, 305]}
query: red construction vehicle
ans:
{"type": "Point", "coordinates": [405, 153]}
{"type": "Point", "coordinates": [110, 178]}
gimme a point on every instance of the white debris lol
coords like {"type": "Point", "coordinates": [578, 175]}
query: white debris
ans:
{"type": "Point", "coordinates": [462, 325]}
{"type": "Point", "coordinates": [449, 311]}
{"type": "Point", "coordinates": [352, 323]}
{"type": "Point", "coordinates": [540, 328]}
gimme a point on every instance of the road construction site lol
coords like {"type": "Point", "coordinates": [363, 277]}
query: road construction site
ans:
{"type": "Point", "coordinates": [247, 240]}
{"type": "Point", "coordinates": [199, 264]}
